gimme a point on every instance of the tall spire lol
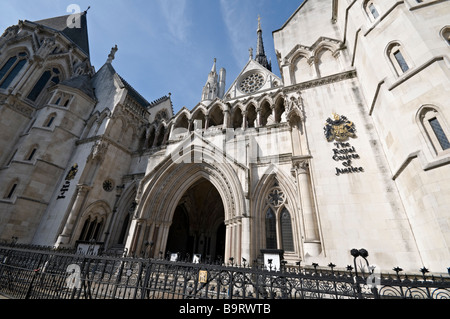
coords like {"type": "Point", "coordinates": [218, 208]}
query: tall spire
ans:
{"type": "Point", "coordinates": [261, 57]}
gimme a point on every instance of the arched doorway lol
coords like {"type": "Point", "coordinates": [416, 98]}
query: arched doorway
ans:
{"type": "Point", "coordinates": [174, 183]}
{"type": "Point", "coordinates": [198, 223]}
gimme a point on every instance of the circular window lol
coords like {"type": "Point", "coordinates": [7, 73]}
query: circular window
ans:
{"type": "Point", "coordinates": [108, 185]}
{"type": "Point", "coordinates": [252, 83]}
{"type": "Point", "coordinates": [276, 197]}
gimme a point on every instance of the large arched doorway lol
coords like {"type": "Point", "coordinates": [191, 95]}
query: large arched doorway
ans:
{"type": "Point", "coordinates": [198, 223]}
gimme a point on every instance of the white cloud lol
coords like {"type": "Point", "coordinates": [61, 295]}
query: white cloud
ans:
{"type": "Point", "coordinates": [241, 27]}
{"type": "Point", "coordinates": [177, 20]}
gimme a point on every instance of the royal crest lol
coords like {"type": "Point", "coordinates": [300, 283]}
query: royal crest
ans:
{"type": "Point", "coordinates": [339, 129]}
{"type": "Point", "coordinates": [72, 173]}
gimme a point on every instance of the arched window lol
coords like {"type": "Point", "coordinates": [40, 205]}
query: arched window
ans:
{"type": "Point", "coordinates": [265, 114]}
{"type": "Point", "coordinates": [435, 129]}
{"type": "Point", "coordinates": [31, 153]}
{"type": "Point", "coordinates": [237, 118]}
{"type": "Point", "coordinates": [91, 229]}
{"type": "Point", "coordinates": [50, 76]}
{"type": "Point", "coordinates": [151, 137]}
{"type": "Point", "coordinates": [371, 10]}
{"type": "Point", "coordinates": [251, 116]}
{"type": "Point", "coordinates": [50, 120]}
{"type": "Point", "coordinates": [397, 57]}
{"type": "Point", "coordinates": [278, 222]}
{"type": "Point", "coordinates": [280, 111]}
{"type": "Point", "coordinates": [161, 134]}
{"type": "Point", "coordinates": [11, 190]}
{"type": "Point", "coordinates": [11, 69]}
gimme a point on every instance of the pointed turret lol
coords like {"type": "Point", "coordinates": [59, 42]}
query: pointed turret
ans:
{"type": "Point", "coordinates": [261, 57]}
{"type": "Point", "coordinates": [215, 86]}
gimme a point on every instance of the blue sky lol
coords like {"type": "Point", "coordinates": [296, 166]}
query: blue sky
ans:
{"type": "Point", "coordinates": [167, 45]}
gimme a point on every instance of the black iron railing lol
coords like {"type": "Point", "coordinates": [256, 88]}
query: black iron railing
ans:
{"type": "Point", "coordinates": [39, 273]}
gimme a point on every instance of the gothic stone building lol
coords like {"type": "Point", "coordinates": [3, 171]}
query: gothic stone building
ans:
{"type": "Point", "coordinates": [349, 148]}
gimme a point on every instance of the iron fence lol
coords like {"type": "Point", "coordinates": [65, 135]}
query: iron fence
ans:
{"type": "Point", "coordinates": [39, 273]}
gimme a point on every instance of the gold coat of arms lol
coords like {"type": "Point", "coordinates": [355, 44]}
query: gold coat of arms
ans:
{"type": "Point", "coordinates": [339, 129]}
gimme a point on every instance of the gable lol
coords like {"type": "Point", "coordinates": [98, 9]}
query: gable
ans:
{"type": "Point", "coordinates": [78, 35]}
{"type": "Point", "coordinates": [253, 79]}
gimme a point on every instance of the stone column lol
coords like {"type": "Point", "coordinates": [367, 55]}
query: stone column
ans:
{"type": "Point", "coordinates": [238, 244]}
{"type": "Point", "coordinates": [164, 235]}
{"type": "Point", "coordinates": [258, 117]}
{"type": "Point", "coordinates": [244, 120]}
{"type": "Point", "coordinates": [134, 242]}
{"type": "Point", "coordinates": [245, 242]}
{"type": "Point", "coordinates": [226, 119]}
{"type": "Point", "coordinates": [228, 241]}
{"type": "Point", "coordinates": [274, 115]}
{"type": "Point", "coordinates": [206, 122]}
{"type": "Point", "coordinates": [312, 243]}
{"type": "Point", "coordinates": [65, 236]}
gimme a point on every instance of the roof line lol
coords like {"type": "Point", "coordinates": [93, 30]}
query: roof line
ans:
{"type": "Point", "coordinates": [290, 18]}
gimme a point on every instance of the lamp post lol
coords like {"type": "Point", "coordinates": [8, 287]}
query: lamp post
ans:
{"type": "Point", "coordinates": [363, 253]}
{"type": "Point", "coordinates": [358, 253]}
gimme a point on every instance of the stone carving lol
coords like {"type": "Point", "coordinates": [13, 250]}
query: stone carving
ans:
{"type": "Point", "coordinates": [98, 150]}
{"type": "Point", "coordinates": [112, 54]}
{"type": "Point", "coordinates": [339, 129]}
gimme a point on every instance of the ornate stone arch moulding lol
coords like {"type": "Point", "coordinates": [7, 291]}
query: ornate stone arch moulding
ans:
{"type": "Point", "coordinates": [161, 190]}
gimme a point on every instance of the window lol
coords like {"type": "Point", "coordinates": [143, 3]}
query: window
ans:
{"type": "Point", "coordinates": [401, 61]}
{"type": "Point", "coordinates": [278, 222]}
{"type": "Point", "coordinates": [11, 69]}
{"type": "Point", "coordinates": [371, 10]}
{"type": "Point", "coordinates": [271, 230]}
{"type": "Point", "coordinates": [435, 129]}
{"type": "Point", "coordinates": [50, 120]}
{"type": "Point", "coordinates": [52, 76]}
{"type": "Point", "coordinates": [10, 192]}
{"type": "Point", "coordinates": [398, 59]}
{"type": "Point", "coordinates": [91, 229]}
{"type": "Point", "coordinates": [440, 134]}
{"type": "Point", "coordinates": [286, 231]}
{"type": "Point", "coordinates": [31, 154]}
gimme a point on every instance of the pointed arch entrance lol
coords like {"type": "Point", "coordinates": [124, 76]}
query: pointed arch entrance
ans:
{"type": "Point", "coordinates": [162, 207]}
{"type": "Point", "coordinates": [197, 223]}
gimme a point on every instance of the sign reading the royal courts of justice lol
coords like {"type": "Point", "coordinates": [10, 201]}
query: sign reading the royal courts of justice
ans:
{"type": "Point", "coordinates": [339, 130]}
{"type": "Point", "coordinates": [70, 176]}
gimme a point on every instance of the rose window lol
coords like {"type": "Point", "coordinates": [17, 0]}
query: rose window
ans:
{"type": "Point", "coordinates": [252, 83]}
